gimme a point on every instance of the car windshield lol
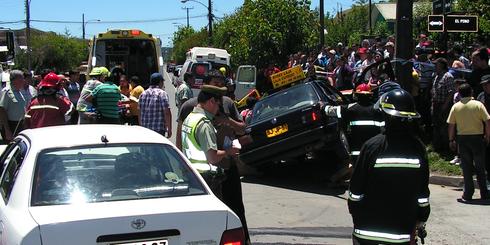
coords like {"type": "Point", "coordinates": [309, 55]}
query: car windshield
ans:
{"type": "Point", "coordinates": [110, 173]}
{"type": "Point", "coordinates": [281, 102]}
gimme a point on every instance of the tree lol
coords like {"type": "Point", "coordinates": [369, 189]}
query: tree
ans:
{"type": "Point", "coordinates": [53, 51]}
{"type": "Point", "coordinates": [264, 31]}
{"type": "Point", "coordinates": [184, 39]}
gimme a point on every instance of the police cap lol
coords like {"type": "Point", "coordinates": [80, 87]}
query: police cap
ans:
{"type": "Point", "coordinates": [214, 90]}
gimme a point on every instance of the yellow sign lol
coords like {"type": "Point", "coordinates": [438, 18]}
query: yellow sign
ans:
{"type": "Point", "coordinates": [288, 76]}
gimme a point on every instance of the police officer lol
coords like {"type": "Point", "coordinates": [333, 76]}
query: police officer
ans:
{"type": "Point", "coordinates": [389, 193]}
{"type": "Point", "coordinates": [199, 142]}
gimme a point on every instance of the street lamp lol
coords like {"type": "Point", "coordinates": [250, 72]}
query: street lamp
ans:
{"type": "Point", "coordinates": [84, 23]}
{"type": "Point", "coordinates": [210, 17]}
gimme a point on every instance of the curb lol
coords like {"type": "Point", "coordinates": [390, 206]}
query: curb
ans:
{"type": "Point", "coordinates": [454, 181]}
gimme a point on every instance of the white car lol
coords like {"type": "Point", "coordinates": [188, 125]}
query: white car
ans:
{"type": "Point", "coordinates": [107, 184]}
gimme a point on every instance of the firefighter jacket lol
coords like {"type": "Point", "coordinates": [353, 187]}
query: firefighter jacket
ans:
{"type": "Point", "coordinates": [389, 191]}
{"type": "Point", "coordinates": [364, 122]}
{"type": "Point", "coordinates": [48, 110]}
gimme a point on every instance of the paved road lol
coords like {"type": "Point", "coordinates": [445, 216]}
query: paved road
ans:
{"type": "Point", "coordinates": [294, 206]}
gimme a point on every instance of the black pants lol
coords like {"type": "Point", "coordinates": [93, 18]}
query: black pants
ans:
{"type": "Point", "coordinates": [472, 154]}
{"type": "Point", "coordinates": [487, 162]}
{"type": "Point", "coordinates": [440, 138]}
{"type": "Point", "coordinates": [232, 194]}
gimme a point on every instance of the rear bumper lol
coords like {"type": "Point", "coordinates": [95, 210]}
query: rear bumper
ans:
{"type": "Point", "coordinates": [297, 145]}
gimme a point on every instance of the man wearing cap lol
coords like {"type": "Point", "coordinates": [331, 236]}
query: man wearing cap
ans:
{"type": "Point", "coordinates": [484, 97]}
{"type": "Point", "coordinates": [228, 123]}
{"type": "Point", "coordinates": [154, 107]}
{"type": "Point", "coordinates": [468, 130]}
{"type": "Point", "coordinates": [49, 108]}
{"type": "Point", "coordinates": [199, 141]}
{"type": "Point", "coordinates": [85, 108]}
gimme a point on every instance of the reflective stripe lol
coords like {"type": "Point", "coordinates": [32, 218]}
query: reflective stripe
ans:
{"type": "Point", "coordinates": [354, 197]}
{"type": "Point", "coordinates": [355, 153]}
{"type": "Point", "coordinates": [339, 114]}
{"type": "Point", "coordinates": [27, 116]}
{"type": "Point", "coordinates": [383, 237]}
{"type": "Point", "coordinates": [423, 202]}
{"type": "Point", "coordinates": [204, 167]}
{"type": "Point", "coordinates": [397, 163]}
{"type": "Point", "coordinates": [37, 107]}
{"type": "Point", "coordinates": [190, 147]}
{"type": "Point", "coordinates": [367, 123]}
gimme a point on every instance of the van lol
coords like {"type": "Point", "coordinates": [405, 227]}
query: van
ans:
{"type": "Point", "coordinates": [199, 60]}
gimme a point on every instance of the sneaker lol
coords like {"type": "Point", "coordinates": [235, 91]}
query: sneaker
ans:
{"type": "Point", "coordinates": [456, 160]}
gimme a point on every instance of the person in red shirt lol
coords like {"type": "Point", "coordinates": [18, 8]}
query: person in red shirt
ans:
{"type": "Point", "coordinates": [49, 108]}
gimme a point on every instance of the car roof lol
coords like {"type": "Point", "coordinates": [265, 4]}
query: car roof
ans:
{"type": "Point", "coordinates": [89, 134]}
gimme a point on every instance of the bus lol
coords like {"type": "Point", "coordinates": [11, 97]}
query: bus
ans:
{"type": "Point", "coordinates": [137, 53]}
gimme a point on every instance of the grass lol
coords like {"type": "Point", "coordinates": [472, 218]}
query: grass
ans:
{"type": "Point", "coordinates": [440, 164]}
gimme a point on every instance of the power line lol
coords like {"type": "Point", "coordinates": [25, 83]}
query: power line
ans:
{"type": "Point", "coordinates": [111, 22]}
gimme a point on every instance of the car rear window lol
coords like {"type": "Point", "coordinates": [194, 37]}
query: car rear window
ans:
{"type": "Point", "coordinates": [111, 173]}
{"type": "Point", "coordinates": [283, 101]}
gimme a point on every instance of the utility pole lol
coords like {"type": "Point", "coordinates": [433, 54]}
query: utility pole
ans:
{"type": "Point", "coordinates": [404, 43]}
{"type": "Point", "coordinates": [187, 10]}
{"type": "Point", "coordinates": [322, 25]}
{"type": "Point", "coordinates": [83, 26]}
{"type": "Point", "coordinates": [370, 24]}
{"type": "Point", "coordinates": [28, 34]}
{"type": "Point", "coordinates": [210, 17]}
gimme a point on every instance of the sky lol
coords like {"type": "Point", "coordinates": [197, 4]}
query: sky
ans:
{"type": "Point", "coordinates": [158, 17]}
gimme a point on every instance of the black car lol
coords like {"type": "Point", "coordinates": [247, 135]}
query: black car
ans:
{"type": "Point", "coordinates": [292, 123]}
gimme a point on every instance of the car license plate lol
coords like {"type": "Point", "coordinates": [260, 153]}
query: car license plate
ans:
{"type": "Point", "coordinates": [154, 242]}
{"type": "Point", "coordinates": [276, 131]}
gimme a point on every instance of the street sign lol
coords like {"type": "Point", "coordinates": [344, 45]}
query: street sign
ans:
{"type": "Point", "coordinates": [441, 6]}
{"type": "Point", "coordinates": [435, 23]}
{"type": "Point", "coordinates": [461, 23]}
{"type": "Point", "coordinates": [286, 77]}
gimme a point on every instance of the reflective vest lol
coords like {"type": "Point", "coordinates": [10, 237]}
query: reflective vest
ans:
{"type": "Point", "coordinates": [190, 147]}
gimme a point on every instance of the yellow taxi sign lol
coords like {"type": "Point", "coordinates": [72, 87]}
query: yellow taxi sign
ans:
{"type": "Point", "coordinates": [286, 77]}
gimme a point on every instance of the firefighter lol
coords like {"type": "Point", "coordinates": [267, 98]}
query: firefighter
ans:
{"type": "Point", "coordinates": [49, 108]}
{"type": "Point", "coordinates": [389, 192]}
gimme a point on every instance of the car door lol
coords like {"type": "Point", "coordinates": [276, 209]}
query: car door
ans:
{"type": "Point", "coordinates": [12, 160]}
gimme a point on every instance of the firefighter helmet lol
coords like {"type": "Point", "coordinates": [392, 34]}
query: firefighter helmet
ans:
{"type": "Point", "coordinates": [398, 103]}
{"type": "Point", "coordinates": [50, 81]}
{"type": "Point", "coordinates": [363, 88]}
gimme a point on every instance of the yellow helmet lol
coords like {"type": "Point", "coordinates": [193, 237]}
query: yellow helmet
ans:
{"type": "Point", "coordinates": [223, 70]}
{"type": "Point", "coordinates": [104, 72]}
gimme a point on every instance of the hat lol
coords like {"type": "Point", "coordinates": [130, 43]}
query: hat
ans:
{"type": "Point", "coordinates": [156, 78]}
{"type": "Point", "coordinates": [214, 90]}
{"type": "Point", "coordinates": [340, 44]}
{"type": "Point", "coordinates": [332, 51]}
{"type": "Point", "coordinates": [362, 50]}
{"type": "Point", "coordinates": [95, 72]}
{"type": "Point", "coordinates": [104, 71]}
{"type": "Point", "coordinates": [485, 79]}
{"type": "Point", "coordinates": [389, 44]}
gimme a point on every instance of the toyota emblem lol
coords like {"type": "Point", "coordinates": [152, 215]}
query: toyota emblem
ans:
{"type": "Point", "coordinates": [138, 224]}
{"type": "Point", "coordinates": [274, 121]}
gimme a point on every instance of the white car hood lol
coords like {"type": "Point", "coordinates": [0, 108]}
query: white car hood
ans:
{"type": "Point", "coordinates": [196, 218]}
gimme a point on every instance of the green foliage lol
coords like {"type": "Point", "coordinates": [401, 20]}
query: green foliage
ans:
{"type": "Point", "coordinates": [184, 39]}
{"type": "Point", "coordinates": [350, 27]}
{"type": "Point", "coordinates": [438, 164]}
{"type": "Point", "coordinates": [381, 29]}
{"type": "Point", "coordinates": [53, 51]}
{"type": "Point", "coordinates": [267, 31]}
